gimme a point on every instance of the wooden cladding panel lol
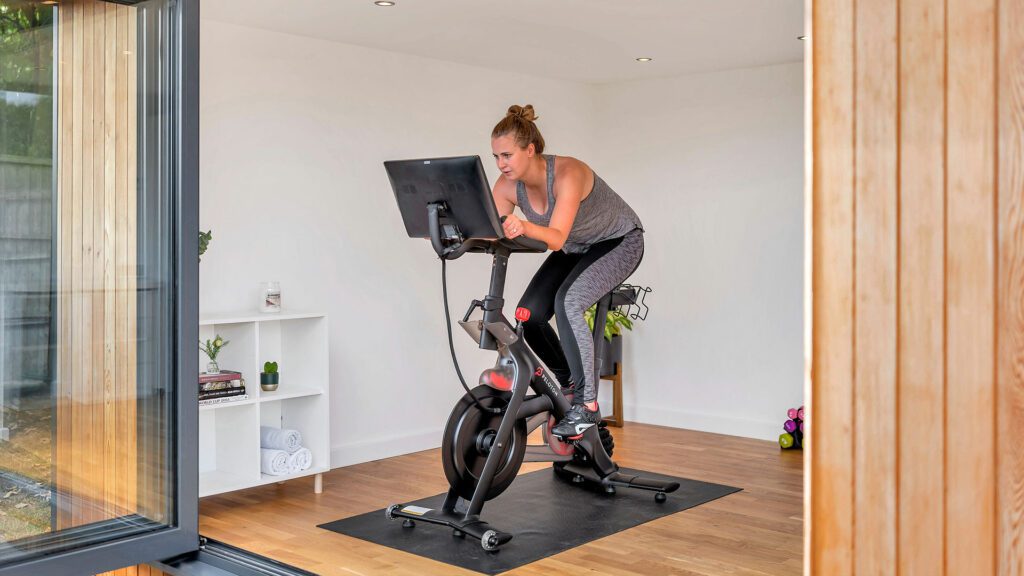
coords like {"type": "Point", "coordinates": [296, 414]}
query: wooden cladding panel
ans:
{"type": "Point", "coordinates": [875, 276]}
{"type": "Point", "coordinates": [919, 403]}
{"type": "Point", "coordinates": [96, 432]}
{"type": "Point", "coordinates": [1010, 287]}
{"type": "Point", "coordinates": [917, 360]}
{"type": "Point", "coordinates": [831, 395]}
{"type": "Point", "coordinates": [970, 284]}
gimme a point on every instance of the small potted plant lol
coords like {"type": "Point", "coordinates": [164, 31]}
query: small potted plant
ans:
{"type": "Point", "coordinates": [204, 242]}
{"type": "Point", "coordinates": [212, 348]}
{"type": "Point", "coordinates": [269, 376]}
{"type": "Point", "coordinates": [613, 334]}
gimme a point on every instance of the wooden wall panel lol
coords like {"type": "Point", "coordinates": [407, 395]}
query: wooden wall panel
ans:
{"type": "Point", "coordinates": [970, 282]}
{"type": "Point", "coordinates": [1010, 314]}
{"type": "Point", "coordinates": [96, 432]}
{"type": "Point", "coordinates": [934, 371]}
{"type": "Point", "coordinates": [875, 277]}
{"type": "Point", "coordinates": [830, 398]}
{"type": "Point", "coordinates": [920, 334]}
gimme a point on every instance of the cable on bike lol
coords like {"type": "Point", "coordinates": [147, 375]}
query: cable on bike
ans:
{"type": "Point", "coordinates": [451, 342]}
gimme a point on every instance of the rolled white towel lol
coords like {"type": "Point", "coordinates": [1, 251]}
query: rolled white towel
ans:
{"type": "Point", "coordinates": [280, 439]}
{"type": "Point", "coordinates": [300, 460]}
{"type": "Point", "coordinates": [274, 462]}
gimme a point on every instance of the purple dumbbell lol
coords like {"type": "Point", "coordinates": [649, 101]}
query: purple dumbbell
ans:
{"type": "Point", "coordinates": [790, 426]}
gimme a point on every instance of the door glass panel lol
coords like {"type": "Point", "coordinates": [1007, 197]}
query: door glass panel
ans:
{"type": "Point", "coordinates": [86, 278]}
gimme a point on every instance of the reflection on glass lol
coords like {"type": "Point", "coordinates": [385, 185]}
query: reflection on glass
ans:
{"type": "Point", "coordinates": [27, 357]}
{"type": "Point", "coordinates": [86, 277]}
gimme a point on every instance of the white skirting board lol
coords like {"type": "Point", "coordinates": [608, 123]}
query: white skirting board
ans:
{"type": "Point", "coordinates": [715, 423]}
{"type": "Point", "coordinates": [377, 448]}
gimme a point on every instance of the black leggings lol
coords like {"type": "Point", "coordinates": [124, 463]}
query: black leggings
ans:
{"type": "Point", "coordinates": [564, 286]}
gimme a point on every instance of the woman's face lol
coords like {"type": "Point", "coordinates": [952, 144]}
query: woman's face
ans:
{"type": "Point", "coordinates": [511, 159]}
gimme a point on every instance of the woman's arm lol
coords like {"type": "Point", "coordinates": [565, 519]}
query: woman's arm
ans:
{"type": "Point", "coordinates": [502, 201]}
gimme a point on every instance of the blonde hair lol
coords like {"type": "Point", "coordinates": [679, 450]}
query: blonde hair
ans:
{"type": "Point", "coordinates": [519, 121]}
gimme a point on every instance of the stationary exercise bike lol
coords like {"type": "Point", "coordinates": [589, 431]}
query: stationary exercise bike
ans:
{"type": "Point", "coordinates": [449, 201]}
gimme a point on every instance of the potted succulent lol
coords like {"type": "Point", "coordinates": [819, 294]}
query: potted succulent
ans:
{"type": "Point", "coordinates": [212, 348]}
{"type": "Point", "coordinates": [613, 326]}
{"type": "Point", "coordinates": [269, 376]}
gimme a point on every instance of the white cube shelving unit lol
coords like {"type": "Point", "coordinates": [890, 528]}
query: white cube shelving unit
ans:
{"type": "Point", "coordinates": [229, 433]}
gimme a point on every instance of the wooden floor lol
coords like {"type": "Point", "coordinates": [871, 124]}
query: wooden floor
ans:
{"type": "Point", "coordinates": [756, 531]}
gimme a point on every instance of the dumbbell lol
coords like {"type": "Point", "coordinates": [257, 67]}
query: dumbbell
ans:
{"type": "Point", "coordinates": [786, 440]}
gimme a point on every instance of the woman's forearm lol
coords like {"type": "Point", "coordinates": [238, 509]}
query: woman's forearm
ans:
{"type": "Point", "coordinates": [553, 237]}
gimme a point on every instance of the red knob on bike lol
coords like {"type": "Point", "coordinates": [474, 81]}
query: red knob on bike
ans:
{"type": "Point", "coordinates": [522, 314]}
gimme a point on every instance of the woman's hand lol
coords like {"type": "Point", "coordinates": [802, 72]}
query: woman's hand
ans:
{"type": "Point", "coordinates": [513, 226]}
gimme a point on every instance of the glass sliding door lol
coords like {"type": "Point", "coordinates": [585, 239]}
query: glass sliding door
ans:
{"type": "Point", "coordinates": [98, 205]}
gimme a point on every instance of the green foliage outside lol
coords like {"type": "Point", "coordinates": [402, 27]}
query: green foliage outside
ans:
{"type": "Point", "coordinates": [26, 79]}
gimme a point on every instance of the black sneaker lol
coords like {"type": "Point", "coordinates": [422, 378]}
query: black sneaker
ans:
{"type": "Point", "coordinates": [576, 422]}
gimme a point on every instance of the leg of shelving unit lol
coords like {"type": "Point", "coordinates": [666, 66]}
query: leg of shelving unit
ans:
{"type": "Point", "coordinates": [318, 484]}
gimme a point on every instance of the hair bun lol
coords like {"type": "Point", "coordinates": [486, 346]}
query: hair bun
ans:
{"type": "Point", "coordinates": [523, 112]}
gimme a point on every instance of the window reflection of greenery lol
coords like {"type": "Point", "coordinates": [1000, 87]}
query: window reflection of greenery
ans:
{"type": "Point", "coordinates": [26, 131]}
{"type": "Point", "coordinates": [26, 78]}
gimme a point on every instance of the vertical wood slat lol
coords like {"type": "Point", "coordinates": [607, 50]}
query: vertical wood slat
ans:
{"type": "Point", "coordinates": [875, 287]}
{"type": "Point", "coordinates": [970, 277]}
{"type": "Point", "coordinates": [96, 445]}
{"type": "Point", "coordinates": [109, 281]}
{"type": "Point", "coordinates": [830, 449]}
{"type": "Point", "coordinates": [1010, 315]}
{"type": "Point", "coordinates": [921, 269]}
{"type": "Point", "coordinates": [127, 459]}
{"type": "Point", "coordinates": [101, 338]}
{"type": "Point", "coordinates": [91, 485]}
{"type": "Point", "coordinates": [64, 429]}
{"type": "Point", "coordinates": [75, 224]}
{"type": "Point", "coordinates": [131, 230]}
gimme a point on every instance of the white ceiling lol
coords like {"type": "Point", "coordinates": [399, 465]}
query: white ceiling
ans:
{"type": "Point", "coordinates": [594, 41]}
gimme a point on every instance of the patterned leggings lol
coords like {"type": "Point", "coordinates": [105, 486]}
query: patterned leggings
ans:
{"type": "Point", "coordinates": [565, 286]}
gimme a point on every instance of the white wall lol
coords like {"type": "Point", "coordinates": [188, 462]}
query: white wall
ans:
{"type": "Point", "coordinates": [713, 164]}
{"type": "Point", "coordinates": [293, 133]}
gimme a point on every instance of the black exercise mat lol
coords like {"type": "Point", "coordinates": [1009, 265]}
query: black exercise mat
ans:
{"type": "Point", "coordinates": [545, 513]}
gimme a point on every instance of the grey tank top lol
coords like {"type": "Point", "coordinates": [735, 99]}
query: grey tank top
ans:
{"type": "Point", "coordinates": [603, 215]}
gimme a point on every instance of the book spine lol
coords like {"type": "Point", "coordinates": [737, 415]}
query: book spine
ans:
{"type": "Point", "coordinates": [222, 376]}
{"type": "Point", "coordinates": [224, 400]}
{"type": "Point", "coordinates": [221, 393]}
{"type": "Point", "coordinates": [221, 385]}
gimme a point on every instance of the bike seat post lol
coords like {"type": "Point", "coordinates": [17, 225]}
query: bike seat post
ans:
{"type": "Point", "coordinates": [600, 319]}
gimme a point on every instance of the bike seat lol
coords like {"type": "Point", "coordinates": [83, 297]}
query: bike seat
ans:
{"type": "Point", "coordinates": [621, 295]}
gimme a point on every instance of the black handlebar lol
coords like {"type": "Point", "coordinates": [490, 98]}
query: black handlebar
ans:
{"type": "Point", "coordinates": [452, 246]}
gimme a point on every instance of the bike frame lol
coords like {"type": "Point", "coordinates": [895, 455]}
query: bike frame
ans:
{"type": "Point", "coordinates": [495, 332]}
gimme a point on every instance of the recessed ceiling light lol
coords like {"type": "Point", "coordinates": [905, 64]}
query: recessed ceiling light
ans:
{"type": "Point", "coordinates": [384, 3]}
{"type": "Point", "coordinates": [644, 59]}
{"type": "Point", "coordinates": [49, 2]}
{"type": "Point", "coordinates": [801, 37]}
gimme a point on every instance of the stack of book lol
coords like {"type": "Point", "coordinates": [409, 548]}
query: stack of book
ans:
{"type": "Point", "coordinates": [224, 386]}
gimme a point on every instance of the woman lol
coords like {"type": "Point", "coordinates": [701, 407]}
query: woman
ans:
{"type": "Point", "coordinates": [597, 242]}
